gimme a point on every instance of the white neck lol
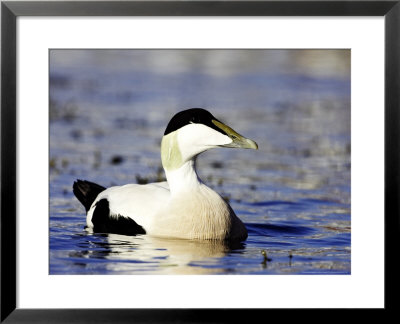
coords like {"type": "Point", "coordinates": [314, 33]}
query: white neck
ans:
{"type": "Point", "coordinates": [179, 165]}
{"type": "Point", "coordinates": [183, 178]}
{"type": "Point", "coordinates": [194, 211]}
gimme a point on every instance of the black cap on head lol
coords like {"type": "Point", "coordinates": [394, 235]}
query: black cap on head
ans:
{"type": "Point", "coordinates": [192, 116]}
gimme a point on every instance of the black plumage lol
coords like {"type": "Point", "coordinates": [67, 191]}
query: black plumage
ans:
{"type": "Point", "coordinates": [103, 222]}
{"type": "Point", "coordinates": [86, 192]}
{"type": "Point", "coordinates": [192, 116]}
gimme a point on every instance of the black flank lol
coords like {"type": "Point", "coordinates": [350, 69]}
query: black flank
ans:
{"type": "Point", "coordinates": [86, 192]}
{"type": "Point", "coordinates": [104, 223]}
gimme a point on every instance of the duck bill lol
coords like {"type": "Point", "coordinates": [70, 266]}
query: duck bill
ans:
{"type": "Point", "coordinates": [238, 141]}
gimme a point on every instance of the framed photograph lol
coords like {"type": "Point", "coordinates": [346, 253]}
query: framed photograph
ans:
{"type": "Point", "coordinates": [111, 207]}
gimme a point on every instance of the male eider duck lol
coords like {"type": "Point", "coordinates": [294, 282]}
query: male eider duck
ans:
{"type": "Point", "coordinates": [183, 206]}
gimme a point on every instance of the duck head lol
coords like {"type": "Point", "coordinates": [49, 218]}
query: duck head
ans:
{"type": "Point", "coordinates": [193, 131]}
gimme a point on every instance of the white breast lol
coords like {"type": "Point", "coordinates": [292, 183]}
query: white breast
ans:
{"type": "Point", "coordinates": [197, 214]}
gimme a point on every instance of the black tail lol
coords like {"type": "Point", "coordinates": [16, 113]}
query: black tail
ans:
{"type": "Point", "coordinates": [86, 192]}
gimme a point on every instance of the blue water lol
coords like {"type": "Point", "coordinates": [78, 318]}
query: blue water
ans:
{"type": "Point", "coordinates": [109, 109]}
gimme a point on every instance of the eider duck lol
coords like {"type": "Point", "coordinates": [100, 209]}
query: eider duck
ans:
{"type": "Point", "coordinates": [182, 207]}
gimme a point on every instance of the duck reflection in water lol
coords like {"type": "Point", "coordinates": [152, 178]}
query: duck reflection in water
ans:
{"type": "Point", "coordinates": [127, 254]}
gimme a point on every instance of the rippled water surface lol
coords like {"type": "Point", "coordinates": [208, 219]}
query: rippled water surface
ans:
{"type": "Point", "coordinates": [108, 112]}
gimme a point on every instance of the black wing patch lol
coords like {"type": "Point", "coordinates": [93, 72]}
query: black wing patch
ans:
{"type": "Point", "coordinates": [104, 223]}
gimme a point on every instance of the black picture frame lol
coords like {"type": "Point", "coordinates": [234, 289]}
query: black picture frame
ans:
{"type": "Point", "coordinates": [10, 10]}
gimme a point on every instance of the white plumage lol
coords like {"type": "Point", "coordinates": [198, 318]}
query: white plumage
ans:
{"type": "Point", "coordinates": [183, 206]}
